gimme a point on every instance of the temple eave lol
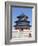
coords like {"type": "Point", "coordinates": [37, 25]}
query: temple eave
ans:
{"type": "Point", "coordinates": [22, 25]}
{"type": "Point", "coordinates": [21, 16]}
{"type": "Point", "coordinates": [22, 21]}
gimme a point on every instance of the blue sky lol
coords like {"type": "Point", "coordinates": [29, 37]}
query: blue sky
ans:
{"type": "Point", "coordinates": [16, 11]}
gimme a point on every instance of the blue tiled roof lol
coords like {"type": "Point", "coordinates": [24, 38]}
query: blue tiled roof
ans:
{"type": "Point", "coordinates": [22, 15]}
{"type": "Point", "coordinates": [22, 21]}
{"type": "Point", "coordinates": [23, 25]}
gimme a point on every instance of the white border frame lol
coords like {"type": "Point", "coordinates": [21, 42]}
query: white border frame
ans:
{"type": "Point", "coordinates": [8, 27]}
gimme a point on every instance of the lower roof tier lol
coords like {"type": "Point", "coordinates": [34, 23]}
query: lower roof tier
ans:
{"type": "Point", "coordinates": [22, 25]}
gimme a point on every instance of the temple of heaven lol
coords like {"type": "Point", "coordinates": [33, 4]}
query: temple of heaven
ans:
{"type": "Point", "coordinates": [22, 22]}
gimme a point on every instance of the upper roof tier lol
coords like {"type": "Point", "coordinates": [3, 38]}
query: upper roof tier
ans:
{"type": "Point", "coordinates": [22, 16]}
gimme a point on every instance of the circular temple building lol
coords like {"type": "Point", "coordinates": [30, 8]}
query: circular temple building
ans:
{"type": "Point", "coordinates": [22, 23]}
